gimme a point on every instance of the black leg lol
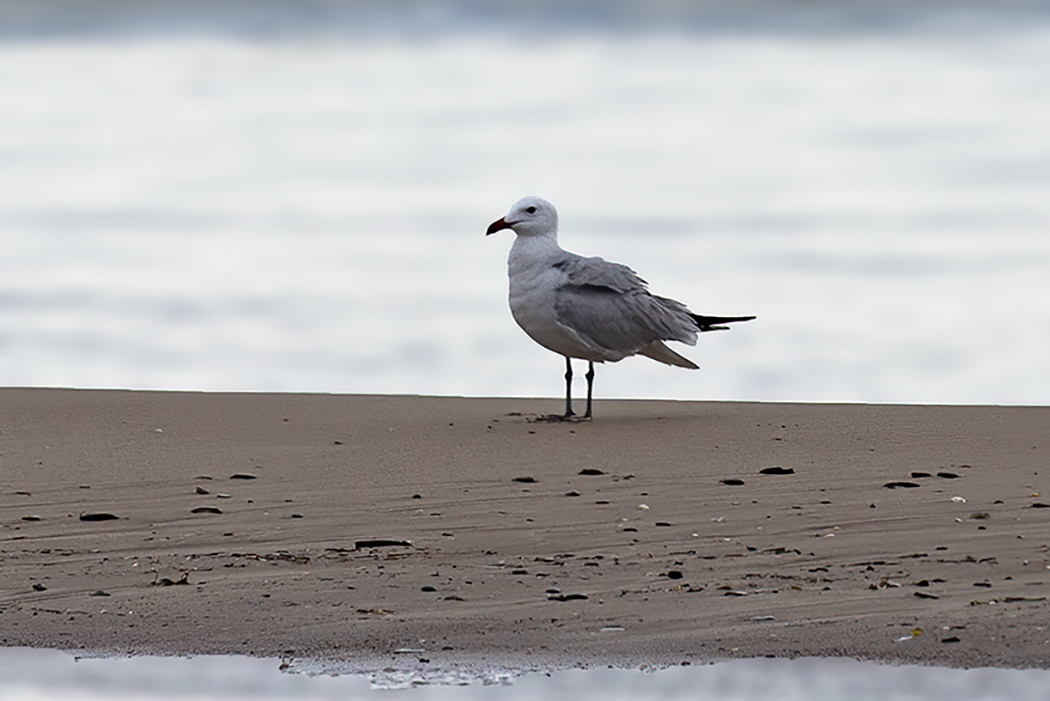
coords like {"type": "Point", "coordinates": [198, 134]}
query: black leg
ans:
{"type": "Point", "coordinates": [590, 388]}
{"type": "Point", "coordinates": [568, 388]}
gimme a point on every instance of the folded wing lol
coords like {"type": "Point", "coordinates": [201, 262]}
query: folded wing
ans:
{"type": "Point", "coordinates": [609, 307]}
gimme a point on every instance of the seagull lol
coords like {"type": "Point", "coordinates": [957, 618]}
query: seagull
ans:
{"type": "Point", "coordinates": [589, 308]}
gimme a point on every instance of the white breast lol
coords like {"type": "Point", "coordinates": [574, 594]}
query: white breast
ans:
{"type": "Point", "coordinates": [534, 281]}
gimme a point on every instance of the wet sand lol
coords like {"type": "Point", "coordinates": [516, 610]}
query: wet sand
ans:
{"type": "Point", "coordinates": [423, 533]}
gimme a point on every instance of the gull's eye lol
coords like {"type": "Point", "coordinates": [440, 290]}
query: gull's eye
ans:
{"type": "Point", "coordinates": [530, 210]}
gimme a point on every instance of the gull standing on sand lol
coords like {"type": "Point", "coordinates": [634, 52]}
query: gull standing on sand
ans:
{"type": "Point", "coordinates": [589, 308]}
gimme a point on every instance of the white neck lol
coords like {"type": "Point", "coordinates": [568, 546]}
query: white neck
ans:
{"type": "Point", "coordinates": [528, 250]}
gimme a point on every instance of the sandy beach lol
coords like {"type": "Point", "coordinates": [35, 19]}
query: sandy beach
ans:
{"type": "Point", "coordinates": [421, 532]}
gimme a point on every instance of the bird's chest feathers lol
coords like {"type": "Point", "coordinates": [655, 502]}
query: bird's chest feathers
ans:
{"type": "Point", "coordinates": [532, 290]}
{"type": "Point", "coordinates": [534, 281]}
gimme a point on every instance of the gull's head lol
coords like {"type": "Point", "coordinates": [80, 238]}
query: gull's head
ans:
{"type": "Point", "coordinates": [530, 216]}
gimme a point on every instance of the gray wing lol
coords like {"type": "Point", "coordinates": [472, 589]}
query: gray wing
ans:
{"type": "Point", "coordinates": [609, 306]}
{"type": "Point", "coordinates": [599, 272]}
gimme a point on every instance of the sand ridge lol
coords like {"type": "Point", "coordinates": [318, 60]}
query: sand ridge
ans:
{"type": "Point", "coordinates": [422, 532]}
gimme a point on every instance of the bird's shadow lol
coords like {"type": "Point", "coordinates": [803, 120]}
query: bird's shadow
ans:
{"type": "Point", "coordinates": [556, 419]}
{"type": "Point", "coordinates": [549, 418]}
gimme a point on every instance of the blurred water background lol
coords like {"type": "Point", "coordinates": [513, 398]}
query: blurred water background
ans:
{"type": "Point", "coordinates": [49, 675]}
{"type": "Point", "coordinates": [292, 195]}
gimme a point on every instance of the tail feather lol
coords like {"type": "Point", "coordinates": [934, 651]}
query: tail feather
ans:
{"type": "Point", "coordinates": [717, 323]}
{"type": "Point", "coordinates": [658, 351]}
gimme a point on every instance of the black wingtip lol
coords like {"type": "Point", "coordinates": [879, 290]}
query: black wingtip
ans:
{"type": "Point", "coordinates": [717, 323]}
